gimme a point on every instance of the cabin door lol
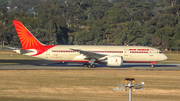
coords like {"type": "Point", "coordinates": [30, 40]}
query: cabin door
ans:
{"type": "Point", "coordinates": [151, 52]}
{"type": "Point", "coordinates": [47, 53]}
{"type": "Point", "coordinates": [126, 52]}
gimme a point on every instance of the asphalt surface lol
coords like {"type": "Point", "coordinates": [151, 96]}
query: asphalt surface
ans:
{"type": "Point", "coordinates": [49, 65]}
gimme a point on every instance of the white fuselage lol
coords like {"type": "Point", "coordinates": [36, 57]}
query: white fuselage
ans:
{"type": "Point", "coordinates": [140, 54]}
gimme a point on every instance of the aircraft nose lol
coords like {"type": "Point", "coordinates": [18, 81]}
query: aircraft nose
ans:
{"type": "Point", "coordinates": [163, 57]}
{"type": "Point", "coordinates": [166, 57]}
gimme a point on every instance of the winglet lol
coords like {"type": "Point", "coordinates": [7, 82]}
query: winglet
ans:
{"type": "Point", "coordinates": [28, 41]}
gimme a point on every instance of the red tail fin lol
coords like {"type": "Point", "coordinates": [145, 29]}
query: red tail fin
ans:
{"type": "Point", "coordinates": [28, 41]}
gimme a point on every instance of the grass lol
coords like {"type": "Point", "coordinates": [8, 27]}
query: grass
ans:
{"type": "Point", "coordinates": [87, 85]}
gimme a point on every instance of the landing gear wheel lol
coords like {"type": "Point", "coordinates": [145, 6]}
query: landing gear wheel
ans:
{"type": "Point", "coordinates": [93, 66]}
{"type": "Point", "coordinates": [152, 66]}
{"type": "Point", "coordinates": [85, 65]}
{"type": "Point", "coordinates": [89, 66]}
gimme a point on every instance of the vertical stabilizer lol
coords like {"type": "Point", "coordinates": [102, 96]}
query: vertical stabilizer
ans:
{"type": "Point", "coordinates": [28, 41]}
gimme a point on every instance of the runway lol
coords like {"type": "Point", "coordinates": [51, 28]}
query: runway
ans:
{"type": "Point", "coordinates": [48, 65]}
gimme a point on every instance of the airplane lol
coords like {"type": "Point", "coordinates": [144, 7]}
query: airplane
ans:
{"type": "Point", "coordinates": [87, 55]}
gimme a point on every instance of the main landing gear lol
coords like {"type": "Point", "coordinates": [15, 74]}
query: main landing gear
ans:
{"type": "Point", "coordinates": [90, 64]}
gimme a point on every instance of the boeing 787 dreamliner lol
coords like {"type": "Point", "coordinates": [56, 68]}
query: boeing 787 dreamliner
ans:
{"type": "Point", "coordinates": [87, 55]}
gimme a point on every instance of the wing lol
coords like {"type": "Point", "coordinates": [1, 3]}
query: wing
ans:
{"type": "Point", "coordinates": [90, 54]}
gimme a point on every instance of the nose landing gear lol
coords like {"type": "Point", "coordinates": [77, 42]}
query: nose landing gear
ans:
{"type": "Point", "coordinates": [152, 64]}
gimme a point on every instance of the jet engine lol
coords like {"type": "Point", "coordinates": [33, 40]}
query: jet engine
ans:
{"type": "Point", "coordinates": [114, 61]}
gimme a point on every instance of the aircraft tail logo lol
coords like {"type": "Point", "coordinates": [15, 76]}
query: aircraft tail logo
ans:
{"type": "Point", "coordinates": [28, 41]}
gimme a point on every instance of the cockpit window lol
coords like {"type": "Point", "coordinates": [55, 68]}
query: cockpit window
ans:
{"type": "Point", "coordinates": [160, 52]}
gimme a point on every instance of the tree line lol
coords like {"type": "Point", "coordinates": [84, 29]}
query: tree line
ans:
{"type": "Point", "coordinates": [94, 22]}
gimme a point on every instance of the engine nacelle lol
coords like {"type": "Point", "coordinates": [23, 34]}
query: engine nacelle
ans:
{"type": "Point", "coordinates": [114, 61]}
